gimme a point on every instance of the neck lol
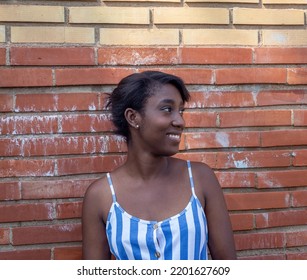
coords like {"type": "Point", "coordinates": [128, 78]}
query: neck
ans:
{"type": "Point", "coordinates": [145, 166]}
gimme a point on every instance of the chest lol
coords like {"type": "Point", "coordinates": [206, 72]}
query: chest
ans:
{"type": "Point", "coordinates": [156, 200]}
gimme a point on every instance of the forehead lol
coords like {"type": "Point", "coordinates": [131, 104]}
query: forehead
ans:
{"type": "Point", "coordinates": [165, 92]}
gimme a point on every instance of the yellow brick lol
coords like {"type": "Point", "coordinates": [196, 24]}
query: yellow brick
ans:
{"type": "Point", "coordinates": [173, 1]}
{"type": "Point", "coordinates": [191, 16]}
{"type": "Point", "coordinates": [223, 1]}
{"type": "Point", "coordinates": [268, 16]}
{"type": "Point", "coordinates": [220, 37]}
{"type": "Point", "coordinates": [28, 13]}
{"type": "Point", "coordinates": [285, 37]}
{"type": "Point", "coordinates": [117, 36]}
{"type": "Point", "coordinates": [2, 33]}
{"type": "Point", "coordinates": [284, 1]}
{"type": "Point", "coordinates": [122, 15]}
{"type": "Point", "coordinates": [25, 34]}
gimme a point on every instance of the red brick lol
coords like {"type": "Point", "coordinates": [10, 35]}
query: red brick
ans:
{"type": "Point", "coordinates": [24, 254]}
{"type": "Point", "coordinates": [282, 179]}
{"type": "Point", "coordinates": [297, 256]}
{"type": "Point", "coordinates": [280, 55]}
{"type": "Point", "coordinates": [300, 118]}
{"type": "Point", "coordinates": [85, 165]}
{"type": "Point", "coordinates": [265, 200]}
{"type": "Point", "coordinates": [67, 253]}
{"type": "Point", "coordinates": [297, 76]}
{"type": "Point", "coordinates": [300, 158]}
{"type": "Point", "coordinates": [4, 236]}
{"type": "Point", "coordinates": [6, 102]}
{"type": "Point", "coordinates": [2, 56]}
{"type": "Point", "coordinates": [69, 210]}
{"type": "Point", "coordinates": [281, 218]}
{"type": "Point", "coordinates": [25, 77]}
{"type": "Point", "coordinates": [266, 256]}
{"type": "Point", "coordinates": [90, 76]}
{"type": "Point", "coordinates": [282, 97]}
{"type": "Point", "coordinates": [26, 212]}
{"type": "Point", "coordinates": [10, 191]}
{"type": "Point", "coordinates": [27, 167]}
{"type": "Point", "coordinates": [57, 102]}
{"type": "Point", "coordinates": [236, 179]}
{"type": "Point", "coordinates": [283, 137]}
{"type": "Point", "coordinates": [46, 234]}
{"type": "Point", "coordinates": [200, 119]}
{"type": "Point", "coordinates": [253, 159]}
{"type": "Point", "coordinates": [191, 75]}
{"type": "Point", "coordinates": [242, 221]}
{"type": "Point", "coordinates": [55, 188]}
{"type": "Point", "coordinates": [11, 146]}
{"type": "Point", "coordinates": [52, 56]}
{"type": "Point", "coordinates": [216, 55]}
{"type": "Point", "coordinates": [86, 123]}
{"type": "Point", "coordinates": [251, 76]}
{"type": "Point", "coordinates": [263, 240]}
{"type": "Point", "coordinates": [205, 157]}
{"type": "Point", "coordinates": [298, 238]}
{"type": "Point", "coordinates": [213, 99]}
{"type": "Point", "coordinates": [70, 145]}
{"type": "Point", "coordinates": [137, 56]}
{"type": "Point", "coordinates": [299, 198]}
{"type": "Point", "coordinates": [28, 124]}
{"type": "Point", "coordinates": [255, 118]}
{"type": "Point", "coordinates": [202, 140]}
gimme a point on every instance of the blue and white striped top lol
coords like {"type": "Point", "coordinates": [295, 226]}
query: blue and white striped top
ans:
{"type": "Point", "coordinates": [180, 237]}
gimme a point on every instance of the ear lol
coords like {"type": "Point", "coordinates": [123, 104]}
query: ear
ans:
{"type": "Point", "coordinates": [132, 117]}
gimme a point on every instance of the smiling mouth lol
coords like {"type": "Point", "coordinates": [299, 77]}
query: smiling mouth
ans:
{"type": "Point", "coordinates": [175, 137]}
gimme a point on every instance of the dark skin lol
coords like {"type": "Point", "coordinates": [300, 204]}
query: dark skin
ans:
{"type": "Point", "coordinates": [150, 179]}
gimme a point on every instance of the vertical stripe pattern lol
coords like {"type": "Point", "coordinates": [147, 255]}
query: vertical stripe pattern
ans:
{"type": "Point", "coordinates": [183, 236]}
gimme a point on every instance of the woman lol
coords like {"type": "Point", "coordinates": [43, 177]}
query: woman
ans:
{"type": "Point", "coordinates": [155, 206]}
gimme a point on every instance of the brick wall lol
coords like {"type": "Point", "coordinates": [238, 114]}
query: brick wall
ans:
{"type": "Point", "coordinates": [244, 62]}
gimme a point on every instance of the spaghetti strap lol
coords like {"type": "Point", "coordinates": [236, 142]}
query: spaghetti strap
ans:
{"type": "Point", "coordinates": [191, 177]}
{"type": "Point", "coordinates": [111, 187]}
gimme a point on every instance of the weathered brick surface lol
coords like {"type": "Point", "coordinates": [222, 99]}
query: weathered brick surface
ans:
{"type": "Point", "coordinates": [244, 63]}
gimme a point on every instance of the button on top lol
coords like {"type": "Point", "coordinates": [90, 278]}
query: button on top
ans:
{"type": "Point", "coordinates": [156, 226]}
{"type": "Point", "coordinates": [158, 255]}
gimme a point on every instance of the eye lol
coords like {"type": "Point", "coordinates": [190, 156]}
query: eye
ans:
{"type": "Point", "coordinates": [167, 109]}
{"type": "Point", "coordinates": [181, 111]}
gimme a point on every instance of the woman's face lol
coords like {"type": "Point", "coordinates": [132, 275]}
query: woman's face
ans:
{"type": "Point", "coordinates": [162, 122]}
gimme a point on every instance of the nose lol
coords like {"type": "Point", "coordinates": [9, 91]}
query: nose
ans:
{"type": "Point", "coordinates": [178, 121]}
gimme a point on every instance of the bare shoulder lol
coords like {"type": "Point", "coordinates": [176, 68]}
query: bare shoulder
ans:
{"type": "Point", "coordinates": [98, 195]}
{"type": "Point", "coordinates": [201, 170]}
{"type": "Point", "coordinates": [205, 179]}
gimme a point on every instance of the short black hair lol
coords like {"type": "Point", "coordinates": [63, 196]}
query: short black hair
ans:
{"type": "Point", "coordinates": [133, 92]}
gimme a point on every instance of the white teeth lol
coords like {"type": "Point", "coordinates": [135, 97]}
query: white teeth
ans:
{"type": "Point", "coordinates": [174, 136]}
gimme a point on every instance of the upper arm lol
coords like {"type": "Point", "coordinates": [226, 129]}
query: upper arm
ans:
{"type": "Point", "coordinates": [94, 244]}
{"type": "Point", "coordinates": [220, 240]}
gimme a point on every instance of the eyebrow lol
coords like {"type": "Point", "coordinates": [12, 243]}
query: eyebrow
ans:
{"type": "Point", "coordinates": [169, 101]}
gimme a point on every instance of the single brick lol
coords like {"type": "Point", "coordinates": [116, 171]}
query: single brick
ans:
{"type": "Point", "coordinates": [284, 37]}
{"type": "Point", "coordinates": [2, 34]}
{"type": "Point", "coordinates": [224, 1]}
{"type": "Point", "coordinates": [111, 15]}
{"type": "Point", "coordinates": [220, 37]}
{"type": "Point", "coordinates": [52, 34]}
{"type": "Point", "coordinates": [284, 1]}
{"type": "Point", "coordinates": [268, 16]}
{"type": "Point", "coordinates": [191, 16]}
{"type": "Point", "coordinates": [52, 56]}
{"type": "Point", "coordinates": [137, 56]}
{"type": "Point", "coordinates": [126, 37]}
{"type": "Point", "coordinates": [2, 56]}
{"type": "Point", "coordinates": [29, 13]}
